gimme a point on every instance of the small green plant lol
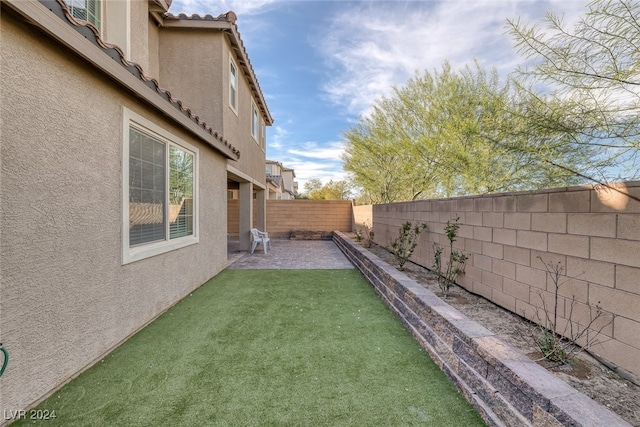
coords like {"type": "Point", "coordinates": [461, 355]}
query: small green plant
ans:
{"type": "Point", "coordinates": [561, 345]}
{"type": "Point", "coordinates": [447, 276]}
{"type": "Point", "coordinates": [358, 233]}
{"type": "Point", "coordinates": [403, 246]}
{"type": "Point", "coordinates": [548, 344]}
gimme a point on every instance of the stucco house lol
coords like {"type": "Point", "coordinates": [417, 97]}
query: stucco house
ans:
{"type": "Point", "coordinates": [114, 183]}
{"type": "Point", "coordinates": [281, 182]}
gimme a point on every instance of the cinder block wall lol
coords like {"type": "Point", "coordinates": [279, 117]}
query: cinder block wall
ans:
{"type": "Point", "coordinates": [593, 234]}
{"type": "Point", "coordinates": [362, 215]}
{"type": "Point", "coordinates": [233, 217]}
{"type": "Point", "coordinates": [285, 216]}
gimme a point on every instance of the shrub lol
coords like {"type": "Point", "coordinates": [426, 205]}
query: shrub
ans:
{"type": "Point", "coordinates": [403, 246]}
{"type": "Point", "coordinates": [557, 344]}
{"type": "Point", "coordinates": [447, 276]}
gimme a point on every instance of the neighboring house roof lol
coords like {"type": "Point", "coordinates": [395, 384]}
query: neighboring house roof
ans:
{"type": "Point", "coordinates": [276, 179]}
{"type": "Point", "coordinates": [225, 22]}
{"type": "Point", "coordinates": [283, 169]}
{"type": "Point", "coordinates": [92, 34]}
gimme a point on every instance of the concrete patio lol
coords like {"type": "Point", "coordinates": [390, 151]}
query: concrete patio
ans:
{"type": "Point", "coordinates": [289, 254]}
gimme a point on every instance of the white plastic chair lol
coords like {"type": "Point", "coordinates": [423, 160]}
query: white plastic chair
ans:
{"type": "Point", "coordinates": [260, 237]}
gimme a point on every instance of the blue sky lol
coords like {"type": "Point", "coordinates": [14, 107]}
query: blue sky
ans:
{"type": "Point", "coordinates": [321, 64]}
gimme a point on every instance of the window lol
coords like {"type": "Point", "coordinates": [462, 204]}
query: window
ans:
{"type": "Point", "coordinates": [255, 123]}
{"type": "Point", "coordinates": [263, 135]}
{"type": "Point", "coordinates": [160, 195]}
{"type": "Point", "coordinates": [87, 10]}
{"type": "Point", "coordinates": [233, 86]}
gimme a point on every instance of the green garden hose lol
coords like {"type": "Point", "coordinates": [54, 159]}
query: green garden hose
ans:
{"type": "Point", "coordinates": [6, 359]}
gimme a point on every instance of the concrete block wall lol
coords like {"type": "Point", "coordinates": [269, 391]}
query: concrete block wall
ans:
{"type": "Point", "coordinates": [233, 217]}
{"type": "Point", "coordinates": [362, 215]}
{"type": "Point", "coordinates": [285, 216]}
{"type": "Point", "coordinates": [591, 233]}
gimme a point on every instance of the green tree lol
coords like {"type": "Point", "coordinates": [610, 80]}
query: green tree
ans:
{"type": "Point", "coordinates": [313, 185]}
{"type": "Point", "coordinates": [445, 134]}
{"type": "Point", "coordinates": [591, 81]}
{"type": "Point", "coordinates": [332, 190]}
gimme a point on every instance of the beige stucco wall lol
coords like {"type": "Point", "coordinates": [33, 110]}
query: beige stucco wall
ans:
{"type": "Point", "coordinates": [139, 33]}
{"type": "Point", "coordinates": [594, 235]}
{"type": "Point", "coordinates": [65, 297]}
{"type": "Point", "coordinates": [194, 67]}
{"type": "Point", "coordinates": [191, 67]}
{"type": "Point", "coordinates": [238, 127]}
{"type": "Point", "coordinates": [153, 49]}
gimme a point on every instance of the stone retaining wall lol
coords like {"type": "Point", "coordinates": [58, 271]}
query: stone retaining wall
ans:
{"type": "Point", "coordinates": [505, 386]}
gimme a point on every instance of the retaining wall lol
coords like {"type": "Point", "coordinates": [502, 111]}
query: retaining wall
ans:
{"type": "Point", "coordinates": [505, 386]}
{"type": "Point", "coordinates": [592, 234]}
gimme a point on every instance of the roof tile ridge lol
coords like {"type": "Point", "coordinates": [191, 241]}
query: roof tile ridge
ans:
{"type": "Point", "coordinates": [246, 54]}
{"type": "Point", "coordinates": [142, 76]}
{"type": "Point", "coordinates": [227, 17]}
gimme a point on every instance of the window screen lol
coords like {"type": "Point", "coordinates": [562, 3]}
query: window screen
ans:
{"type": "Point", "coordinates": [147, 222]}
{"type": "Point", "coordinates": [180, 193]}
{"type": "Point", "coordinates": [87, 10]}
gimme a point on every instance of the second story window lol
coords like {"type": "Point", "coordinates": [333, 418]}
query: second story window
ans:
{"type": "Point", "coordinates": [87, 10]}
{"type": "Point", "coordinates": [255, 123]}
{"type": "Point", "coordinates": [233, 86]}
{"type": "Point", "coordinates": [263, 135]}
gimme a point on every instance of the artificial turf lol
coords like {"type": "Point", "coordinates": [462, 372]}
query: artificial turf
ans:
{"type": "Point", "coordinates": [267, 347]}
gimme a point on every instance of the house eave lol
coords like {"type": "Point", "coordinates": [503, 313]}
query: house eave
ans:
{"type": "Point", "coordinates": [48, 16]}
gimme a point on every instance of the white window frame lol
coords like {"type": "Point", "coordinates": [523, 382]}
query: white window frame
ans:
{"type": "Point", "coordinates": [136, 253]}
{"type": "Point", "coordinates": [255, 123]}
{"type": "Point", "coordinates": [233, 89]}
{"type": "Point", "coordinates": [95, 19]}
{"type": "Point", "coordinates": [263, 135]}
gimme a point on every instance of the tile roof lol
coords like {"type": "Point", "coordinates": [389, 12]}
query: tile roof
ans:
{"type": "Point", "coordinates": [91, 33]}
{"type": "Point", "coordinates": [224, 17]}
{"type": "Point", "coordinates": [276, 179]}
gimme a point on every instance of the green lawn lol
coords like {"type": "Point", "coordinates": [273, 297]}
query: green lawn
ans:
{"type": "Point", "coordinates": [268, 347]}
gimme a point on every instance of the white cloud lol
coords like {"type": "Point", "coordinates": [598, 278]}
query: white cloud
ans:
{"type": "Point", "coordinates": [214, 7]}
{"type": "Point", "coordinates": [280, 135]}
{"type": "Point", "coordinates": [329, 151]}
{"type": "Point", "coordinates": [312, 160]}
{"type": "Point", "coordinates": [306, 170]}
{"type": "Point", "coordinates": [374, 46]}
